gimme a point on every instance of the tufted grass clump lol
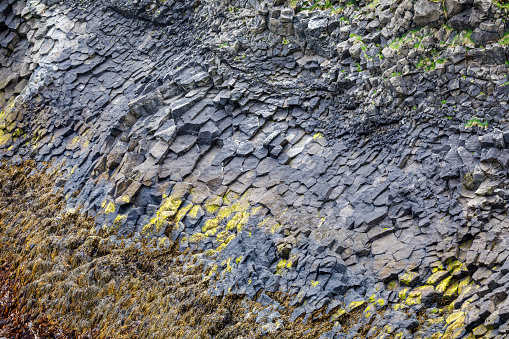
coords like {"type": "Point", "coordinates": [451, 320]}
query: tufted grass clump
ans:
{"type": "Point", "coordinates": [476, 122]}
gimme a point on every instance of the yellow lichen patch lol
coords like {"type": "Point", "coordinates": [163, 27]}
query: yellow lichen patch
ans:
{"type": "Point", "coordinates": [125, 198]}
{"type": "Point", "coordinates": [454, 265]}
{"type": "Point", "coordinates": [354, 304]}
{"type": "Point", "coordinates": [210, 225]}
{"type": "Point", "coordinates": [380, 302]}
{"type": "Point", "coordinates": [119, 219]}
{"type": "Point", "coordinates": [437, 266]}
{"type": "Point", "coordinates": [454, 317]}
{"type": "Point", "coordinates": [452, 291]}
{"type": "Point", "coordinates": [407, 278]}
{"type": "Point", "coordinates": [228, 266]}
{"type": "Point", "coordinates": [435, 321]}
{"type": "Point", "coordinates": [110, 208]}
{"type": "Point", "coordinates": [280, 266]}
{"type": "Point", "coordinates": [314, 283]}
{"type": "Point", "coordinates": [414, 297]}
{"type": "Point", "coordinates": [317, 136]}
{"type": "Point", "coordinates": [224, 213]}
{"type": "Point", "coordinates": [223, 245]}
{"type": "Point", "coordinates": [182, 212]}
{"type": "Point", "coordinates": [275, 227]}
{"type": "Point", "coordinates": [163, 241]}
{"type": "Point", "coordinates": [367, 311]}
{"type": "Point", "coordinates": [74, 140]}
{"type": "Point", "coordinates": [338, 314]}
{"type": "Point", "coordinates": [18, 132]}
{"type": "Point", "coordinates": [237, 219]}
{"type": "Point", "coordinates": [403, 293]}
{"type": "Point", "coordinates": [155, 226]}
{"type": "Point", "coordinates": [213, 203]}
{"type": "Point", "coordinates": [436, 277]}
{"type": "Point", "coordinates": [213, 270]}
{"type": "Point", "coordinates": [210, 252]}
{"type": "Point", "coordinates": [292, 262]}
{"type": "Point", "coordinates": [456, 323]}
{"type": "Point", "coordinates": [255, 210]}
{"type": "Point", "coordinates": [442, 287]}
{"type": "Point", "coordinates": [211, 232]}
{"type": "Point", "coordinates": [193, 213]}
{"type": "Point", "coordinates": [238, 260]}
{"type": "Point", "coordinates": [397, 307]}
{"type": "Point", "coordinates": [221, 236]}
{"type": "Point", "coordinates": [197, 237]}
{"type": "Point", "coordinates": [464, 283]}
{"type": "Point", "coordinates": [171, 203]}
{"type": "Point", "coordinates": [230, 197]}
{"type": "Point", "coordinates": [372, 298]}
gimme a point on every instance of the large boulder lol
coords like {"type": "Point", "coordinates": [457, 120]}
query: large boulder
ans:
{"type": "Point", "coordinates": [427, 13]}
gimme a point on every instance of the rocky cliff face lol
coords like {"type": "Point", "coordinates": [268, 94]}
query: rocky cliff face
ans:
{"type": "Point", "coordinates": [352, 156]}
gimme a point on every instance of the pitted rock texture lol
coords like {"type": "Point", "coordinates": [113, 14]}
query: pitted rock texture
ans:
{"type": "Point", "coordinates": [352, 154]}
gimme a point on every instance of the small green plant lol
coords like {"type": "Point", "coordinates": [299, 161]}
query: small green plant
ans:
{"type": "Point", "coordinates": [285, 41]}
{"type": "Point", "coordinates": [357, 38]}
{"type": "Point", "coordinates": [504, 40]}
{"type": "Point", "coordinates": [448, 118]}
{"type": "Point", "coordinates": [503, 6]}
{"type": "Point", "coordinates": [395, 74]}
{"type": "Point", "coordinates": [476, 122]}
{"type": "Point", "coordinates": [444, 101]}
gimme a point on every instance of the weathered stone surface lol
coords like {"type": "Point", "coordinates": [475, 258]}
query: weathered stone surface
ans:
{"type": "Point", "coordinates": [352, 156]}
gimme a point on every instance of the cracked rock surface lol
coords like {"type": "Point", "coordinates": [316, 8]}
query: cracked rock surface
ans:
{"type": "Point", "coordinates": [354, 155]}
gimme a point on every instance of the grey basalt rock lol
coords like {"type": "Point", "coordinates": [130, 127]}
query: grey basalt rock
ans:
{"type": "Point", "coordinates": [427, 13]}
{"type": "Point", "coordinates": [367, 156]}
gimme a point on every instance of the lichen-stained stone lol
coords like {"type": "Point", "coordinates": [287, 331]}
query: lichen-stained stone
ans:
{"type": "Point", "coordinates": [322, 152]}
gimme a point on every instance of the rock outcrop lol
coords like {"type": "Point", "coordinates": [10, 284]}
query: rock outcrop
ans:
{"type": "Point", "coordinates": [354, 155]}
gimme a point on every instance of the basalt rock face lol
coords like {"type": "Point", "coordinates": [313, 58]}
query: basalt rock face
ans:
{"type": "Point", "coordinates": [354, 155]}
